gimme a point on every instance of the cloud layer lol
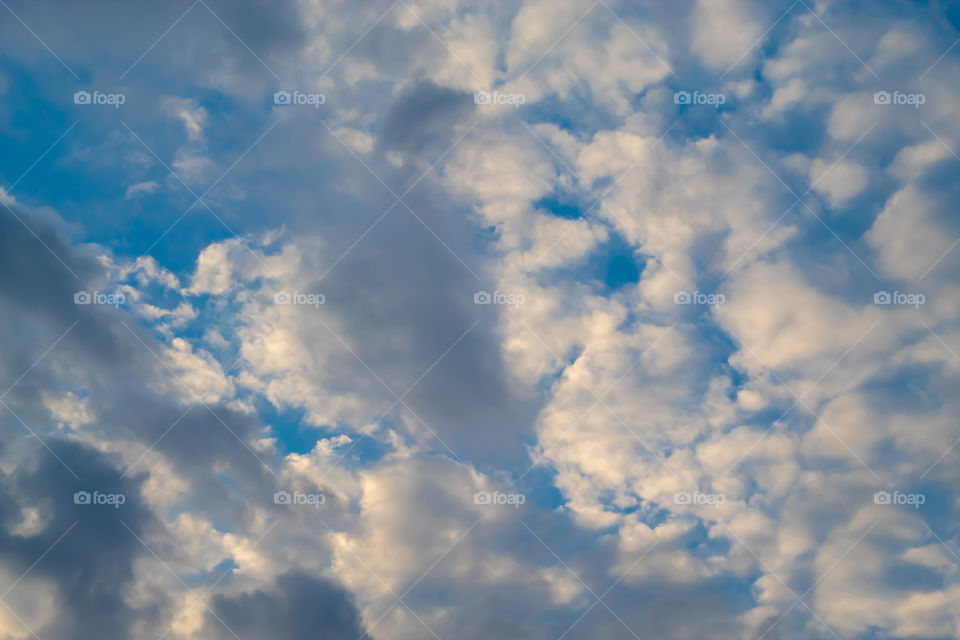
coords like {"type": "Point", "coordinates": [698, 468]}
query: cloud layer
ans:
{"type": "Point", "coordinates": [458, 319]}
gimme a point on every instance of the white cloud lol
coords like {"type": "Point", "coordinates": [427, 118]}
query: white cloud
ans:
{"type": "Point", "coordinates": [838, 181]}
{"type": "Point", "coordinates": [141, 188]}
{"type": "Point", "coordinates": [190, 114]}
{"type": "Point", "coordinates": [723, 31]}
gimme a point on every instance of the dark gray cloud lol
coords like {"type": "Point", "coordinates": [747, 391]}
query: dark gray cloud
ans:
{"type": "Point", "coordinates": [423, 118]}
{"type": "Point", "coordinates": [102, 41]}
{"type": "Point", "coordinates": [298, 607]}
{"type": "Point", "coordinates": [401, 320]}
{"type": "Point", "coordinates": [92, 565]}
{"type": "Point", "coordinates": [107, 353]}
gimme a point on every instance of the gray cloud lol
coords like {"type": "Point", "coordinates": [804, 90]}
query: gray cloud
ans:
{"type": "Point", "coordinates": [423, 118]}
{"type": "Point", "coordinates": [92, 566]}
{"type": "Point", "coordinates": [299, 606]}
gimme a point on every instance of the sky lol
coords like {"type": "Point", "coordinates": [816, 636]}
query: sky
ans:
{"type": "Point", "coordinates": [535, 319]}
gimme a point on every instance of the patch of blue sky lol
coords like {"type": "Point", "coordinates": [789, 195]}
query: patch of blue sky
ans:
{"type": "Point", "coordinates": [295, 435]}
{"type": "Point", "coordinates": [612, 266]}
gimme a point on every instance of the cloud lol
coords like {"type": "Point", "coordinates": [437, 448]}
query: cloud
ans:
{"type": "Point", "coordinates": [141, 188]}
{"type": "Point", "coordinates": [527, 319]}
{"type": "Point", "coordinates": [300, 606]}
{"type": "Point", "coordinates": [88, 551]}
{"type": "Point", "coordinates": [724, 31]}
{"type": "Point", "coordinates": [423, 117]}
{"type": "Point", "coordinates": [190, 114]}
{"type": "Point", "coordinates": [839, 182]}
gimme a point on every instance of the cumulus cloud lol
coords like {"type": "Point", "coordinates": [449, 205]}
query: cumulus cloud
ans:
{"type": "Point", "coordinates": [521, 333]}
{"type": "Point", "coordinates": [141, 188]}
{"type": "Point", "coordinates": [302, 606]}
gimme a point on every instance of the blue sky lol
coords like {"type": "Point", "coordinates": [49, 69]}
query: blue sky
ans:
{"type": "Point", "coordinates": [440, 318]}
